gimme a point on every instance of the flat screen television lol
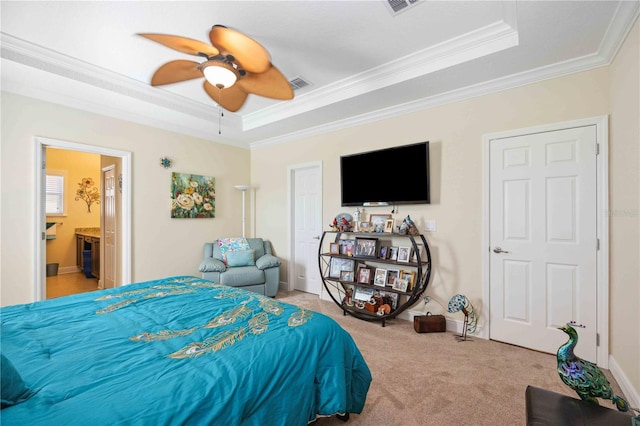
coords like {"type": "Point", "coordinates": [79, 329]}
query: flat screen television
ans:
{"type": "Point", "coordinates": [390, 176]}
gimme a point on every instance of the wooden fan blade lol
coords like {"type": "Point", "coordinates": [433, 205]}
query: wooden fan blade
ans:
{"type": "Point", "coordinates": [231, 98]}
{"type": "Point", "coordinates": [250, 54]}
{"type": "Point", "coordinates": [175, 71]}
{"type": "Point", "coordinates": [270, 84]}
{"type": "Point", "coordinates": [182, 44]}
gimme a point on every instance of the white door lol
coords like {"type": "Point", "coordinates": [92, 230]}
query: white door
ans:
{"type": "Point", "coordinates": [307, 224]}
{"type": "Point", "coordinates": [543, 238]}
{"type": "Point", "coordinates": [108, 273]}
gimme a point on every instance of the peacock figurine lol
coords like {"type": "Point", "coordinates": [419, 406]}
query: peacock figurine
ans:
{"type": "Point", "coordinates": [583, 376]}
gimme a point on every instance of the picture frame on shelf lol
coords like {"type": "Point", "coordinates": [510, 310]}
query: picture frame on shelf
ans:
{"type": "Point", "coordinates": [366, 247]}
{"type": "Point", "coordinates": [337, 264]}
{"type": "Point", "coordinates": [410, 276]}
{"type": "Point", "coordinates": [364, 275]}
{"type": "Point", "coordinates": [363, 294]}
{"type": "Point", "coordinates": [392, 275]}
{"type": "Point", "coordinates": [404, 254]}
{"type": "Point", "coordinates": [365, 227]}
{"type": "Point", "coordinates": [400, 284]}
{"type": "Point", "coordinates": [346, 276]}
{"type": "Point", "coordinates": [378, 221]}
{"type": "Point", "coordinates": [347, 247]}
{"type": "Point", "coordinates": [334, 248]}
{"type": "Point", "coordinates": [391, 298]}
{"type": "Point", "coordinates": [388, 226]}
{"type": "Point", "coordinates": [380, 277]}
{"type": "Point", "coordinates": [383, 252]}
{"type": "Point", "coordinates": [393, 253]}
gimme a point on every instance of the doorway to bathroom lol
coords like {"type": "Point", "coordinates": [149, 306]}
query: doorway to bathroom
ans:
{"type": "Point", "coordinates": [113, 166]}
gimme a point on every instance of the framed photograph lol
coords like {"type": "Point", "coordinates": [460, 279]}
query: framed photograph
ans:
{"type": "Point", "coordinates": [393, 253]}
{"type": "Point", "coordinates": [417, 255]}
{"type": "Point", "coordinates": [410, 276]}
{"type": "Point", "coordinates": [388, 225]}
{"type": "Point", "coordinates": [366, 247]}
{"type": "Point", "coordinates": [346, 276]}
{"type": "Point", "coordinates": [392, 275]}
{"type": "Point", "coordinates": [347, 247]}
{"type": "Point", "coordinates": [364, 275]}
{"type": "Point", "coordinates": [390, 298]}
{"type": "Point", "coordinates": [404, 253]}
{"type": "Point", "coordinates": [334, 248]}
{"type": "Point", "coordinates": [380, 277]}
{"type": "Point", "coordinates": [384, 251]}
{"type": "Point", "coordinates": [400, 284]}
{"type": "Point", "coordinates": [363, 294]}
{"type": "Point", "coordinates": [337, 265]}
{"type": "Point", "coordinates": [379, 219]}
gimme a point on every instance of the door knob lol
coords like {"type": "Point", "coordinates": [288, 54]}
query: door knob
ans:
{"type": "Point", "coordinates": [499, 250]}
{"type": "Point", "coordinates": [317, 237]}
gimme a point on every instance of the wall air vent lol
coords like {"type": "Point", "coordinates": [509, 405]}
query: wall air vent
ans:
{"type": "Point", "coordinates": [397, 6]}
{"type": "Point", "coordinates": [298, 83]}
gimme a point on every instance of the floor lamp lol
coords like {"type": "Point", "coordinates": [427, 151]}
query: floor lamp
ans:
{"type": "Point", "coordinates": [243, 188]}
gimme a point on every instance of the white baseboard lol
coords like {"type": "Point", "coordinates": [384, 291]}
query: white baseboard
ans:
{"type": "Point", "coordinates": [632, 395]}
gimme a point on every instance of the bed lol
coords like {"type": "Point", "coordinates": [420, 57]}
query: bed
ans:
{"type": "Point", "coordinates": [178, 350]}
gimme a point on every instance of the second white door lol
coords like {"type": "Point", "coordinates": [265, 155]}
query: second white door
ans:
{"type": "Point", "coordinates": [307, 225]}
{"type": "Point", "coordinates": [543, 238]}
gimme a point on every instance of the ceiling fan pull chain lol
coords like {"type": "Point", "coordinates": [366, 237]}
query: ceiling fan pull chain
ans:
{"type": "Point", "coordinates": [220, 115]}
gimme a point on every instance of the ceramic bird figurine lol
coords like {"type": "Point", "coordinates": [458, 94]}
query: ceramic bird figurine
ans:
{"type": "Point", "coordinates": [583, 376]}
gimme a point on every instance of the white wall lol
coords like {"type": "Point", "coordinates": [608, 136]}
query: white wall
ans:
{"type": "Point", "coordinates": [455, 133]}
{"type": "Point", "coordinates": [161, 246]}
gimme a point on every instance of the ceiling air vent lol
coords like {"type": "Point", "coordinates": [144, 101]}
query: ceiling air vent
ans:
{"type": "Point", "coordinates": [298, 83]}
{"type": "Point", "coordinates": [397, 6]}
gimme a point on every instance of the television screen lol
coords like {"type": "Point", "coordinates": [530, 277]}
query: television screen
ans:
{"type": "Point", "coordinates": [397, 175]}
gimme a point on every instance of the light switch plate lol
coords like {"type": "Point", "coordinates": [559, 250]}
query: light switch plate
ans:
{"type": "Point", "coordinates": [430, 225]}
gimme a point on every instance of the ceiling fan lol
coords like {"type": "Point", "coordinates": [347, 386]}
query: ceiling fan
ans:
{"type": "Point", "coordinates": [236, 65]}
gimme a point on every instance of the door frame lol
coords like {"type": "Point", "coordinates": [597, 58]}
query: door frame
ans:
{"type": "Point", "coordinates": [602, 223]}
{"type": "Point", "coordinates": [39, 217]}
{"type": "Point", "coordinates": [291, 170]}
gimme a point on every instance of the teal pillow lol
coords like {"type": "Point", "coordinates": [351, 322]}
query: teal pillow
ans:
{"type": "Point", "coordinates": [14, 390]}
{"type": "Point", "coordinates": [241, 258]}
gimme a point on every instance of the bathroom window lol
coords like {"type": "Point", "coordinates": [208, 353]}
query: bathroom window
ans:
{"type": "Point", "coordinates": [55, 196]}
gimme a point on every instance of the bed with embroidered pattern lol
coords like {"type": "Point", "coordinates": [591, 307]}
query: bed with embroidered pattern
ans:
{"type": "Point", "coordinates": [177, 351]}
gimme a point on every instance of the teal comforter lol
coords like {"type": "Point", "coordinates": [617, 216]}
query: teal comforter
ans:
{"type": "Point", "coordinates": [176, 351]}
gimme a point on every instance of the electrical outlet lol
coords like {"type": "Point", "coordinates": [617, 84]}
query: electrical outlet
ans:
{"type": "Point", "coordinates": [430, 225]}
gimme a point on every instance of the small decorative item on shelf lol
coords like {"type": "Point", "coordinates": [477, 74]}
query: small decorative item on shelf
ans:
{"type": "Point", "coordinates": [342, 223]}
{"type": "Point", "coordinates": [408, 227]}
{"type": "Point", "coordinates": [348, 297]}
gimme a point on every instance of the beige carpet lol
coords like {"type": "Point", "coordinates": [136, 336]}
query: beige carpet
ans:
{"type": "Point", "coordinates": [432, 379]}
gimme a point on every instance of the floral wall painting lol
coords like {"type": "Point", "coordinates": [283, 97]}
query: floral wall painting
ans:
{"type": "Point", "coordinates": [88, 192]}
{"type": "Point", "coordinates": [192, 196]}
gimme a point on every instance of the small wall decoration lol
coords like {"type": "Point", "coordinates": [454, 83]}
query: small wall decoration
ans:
{"type": "Point", "coordinates": [88, 193]}
{"type": "Point", "coordinates": [165, 162]}
{"type": "Point", "coordinates": [192, 196]}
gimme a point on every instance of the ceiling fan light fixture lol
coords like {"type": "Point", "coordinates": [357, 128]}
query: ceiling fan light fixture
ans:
{"type": "Point", "coordinates": [219, 74]}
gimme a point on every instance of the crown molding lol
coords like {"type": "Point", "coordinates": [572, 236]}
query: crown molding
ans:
{"type": "Point", "coordinates": [26, 53]}
{"type": "Point", "coordinates": [475, 44]}
{"type": "Point", "coordinates": [623, 20]}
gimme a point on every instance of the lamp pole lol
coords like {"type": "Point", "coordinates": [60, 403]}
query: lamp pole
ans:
{"type": "Point", "coordinates": [243, 188]}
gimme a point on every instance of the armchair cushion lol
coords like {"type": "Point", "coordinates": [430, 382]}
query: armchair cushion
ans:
{"type": "Point", "coordinates": [232, 244]}
{"type": "Point", "coordinates": [241, 258]}
{"type": "Point", "coordinates": [267, 261]}
{"type": "Point", "coordinates": [210, 264]}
